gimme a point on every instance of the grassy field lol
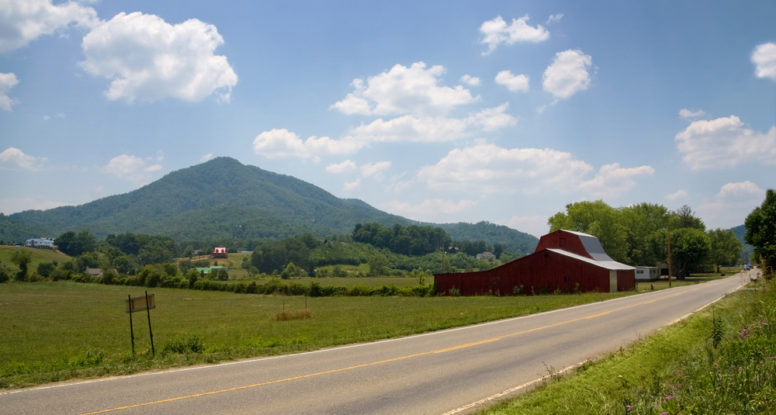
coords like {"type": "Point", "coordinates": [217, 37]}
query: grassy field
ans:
{"type": "Point", "coordinates": [721, 360]}
{"type": "Point", "coordinates": [37, 256]}
{"type": "Point", "coordinates": [61, 330]}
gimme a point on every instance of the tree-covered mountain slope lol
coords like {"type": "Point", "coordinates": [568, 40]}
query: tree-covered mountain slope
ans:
{"type": "Point", "coordinates": [222, 199]}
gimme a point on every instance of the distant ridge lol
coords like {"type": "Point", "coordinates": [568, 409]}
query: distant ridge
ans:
{"type": "Point", "coordinates": [223, 199]}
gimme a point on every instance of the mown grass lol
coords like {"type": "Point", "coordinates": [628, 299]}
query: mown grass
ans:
{"type": "Point", "coordinates": [61, 330]}
{"type": "Point", "coordinates": [722, 361]}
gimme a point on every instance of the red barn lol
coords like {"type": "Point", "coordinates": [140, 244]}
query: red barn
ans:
{"type": "Point", "coordinates": [563, 261]}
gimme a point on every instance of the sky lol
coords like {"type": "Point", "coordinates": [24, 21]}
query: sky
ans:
{"type": "Point", "coordinates": [438, 111]}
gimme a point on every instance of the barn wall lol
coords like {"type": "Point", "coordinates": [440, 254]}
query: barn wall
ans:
{"type": "Point", "coordinates": [541, 272]}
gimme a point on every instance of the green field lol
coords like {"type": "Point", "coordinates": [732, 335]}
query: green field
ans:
{"type": "Point", "coordinates": [37, 256]}
{"type": "Point", "coordinates": [60, 330]}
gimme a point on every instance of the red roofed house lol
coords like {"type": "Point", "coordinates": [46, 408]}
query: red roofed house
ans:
{"type": "Point", "coordinates": [564, 261]}
{"type": "Point", "coordinates": [219, 252]}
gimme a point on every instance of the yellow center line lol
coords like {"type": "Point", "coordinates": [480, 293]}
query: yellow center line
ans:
{"type": "Point", "coordinates": [378, 362]}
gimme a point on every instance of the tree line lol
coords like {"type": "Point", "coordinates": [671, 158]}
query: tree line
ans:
{"type": "Point", "coordinates": [639, 235]}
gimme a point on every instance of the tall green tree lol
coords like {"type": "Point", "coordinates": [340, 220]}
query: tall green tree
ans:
{"type": "Point", "coordinates": [597, 219]}
{"type": "Point", "coordinates": [725, 247]}
{"type": "Point", "coordinates": [690, 248]}
{"type": "Point", "coordinates": [761, 230]}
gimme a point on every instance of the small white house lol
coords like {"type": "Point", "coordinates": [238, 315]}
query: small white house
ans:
{"type": "Point", "coordinates": [647, 273]}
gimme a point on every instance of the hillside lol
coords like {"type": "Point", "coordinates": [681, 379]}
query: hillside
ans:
{"type": "Point", "coordinates": [740, 231]}
{"type": "Point", "coordinates": [224, 199]}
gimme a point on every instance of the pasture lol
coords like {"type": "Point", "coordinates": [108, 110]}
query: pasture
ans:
{"type": "Point", "coordinates": [60, 330]}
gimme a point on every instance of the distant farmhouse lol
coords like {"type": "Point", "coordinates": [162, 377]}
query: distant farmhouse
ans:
{"type": "Point", "coordinates": [44, 243]}
{"type": "Point", "coordinates": [219, 252]}
{"type": "Point", "coordinates": [564, 261]}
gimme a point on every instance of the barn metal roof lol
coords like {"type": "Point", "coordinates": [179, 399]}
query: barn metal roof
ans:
{"type": "Point", "coordinates": [609, 263]}
{"type": "Point", "coordinates": [592, 246]}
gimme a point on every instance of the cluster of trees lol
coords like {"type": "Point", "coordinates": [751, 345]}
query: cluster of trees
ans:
{"type": "Point", "coordinates": [416, 240]}
{"type": "Point", "coordinates": [406, 240]}
{"type": "Point", "coordinates": [761, 231]}
{"type": "Point", "coordinates": [639, 235]}
{"type": "Point", "coordinates": [302, 255]}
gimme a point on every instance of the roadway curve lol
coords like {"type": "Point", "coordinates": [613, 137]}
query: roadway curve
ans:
{"type": "Point", "coordinates": [445, 372]}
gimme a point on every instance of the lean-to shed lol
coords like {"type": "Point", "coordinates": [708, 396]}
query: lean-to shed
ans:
{"type": "Point", "coordinates": [564, 261]}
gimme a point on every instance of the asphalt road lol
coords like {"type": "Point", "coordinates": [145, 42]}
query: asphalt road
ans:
{"type": "Point", "coordinates": [445, 372]}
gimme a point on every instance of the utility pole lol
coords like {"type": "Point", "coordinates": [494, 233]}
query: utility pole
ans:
{"type": "Point", "coordinates": [669, 257]}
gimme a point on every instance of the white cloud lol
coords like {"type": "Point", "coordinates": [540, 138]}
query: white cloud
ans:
{"type": "Point", "coordinates": [497, 31]}
{"type": "Point", "coordinates": [677, 195]}
{"type": "Point", "coordinates": [688, 114]}
{"type": "Point", "coordinates": [13, 158]}
{"type": "Point", "coordinates": [352, 185]}
{"type": "Point", "coordinates": [148, 59]}
{"type": "Point", "coordinates": [7, 81]}
{"type": "Point", "coordinates": [343, 167]}
{"type": "Point", "coordinates": [554, 18]}
{"type": "Point", "coordinates": [425, 129]}
{"type": "Point", "coordinates": [764, 60]}
{"type": "Point", "coordinates": [470, 80]}
{"type": "Point", "coordinates": [484, 169]}
{"type": "Point", "coordinates": [745, 189]}
{"type": "Point", "coordinates": [514, 83]}
{"type": "Point", "coordinates": [534, 225]}
{"type": "Point", "coordinates": [404, 90]}
{"type": "Point", "coordinates": [487, 168]}
{"type": "Point", "coordinates": [206, 157]}
{"type": "Point", "coordinates": [724, 142]}
{"type": "Point", "coordinates": [372, 169]}
{"type": "Point", "coordinates": [59, 115]}
{"type": "Point", "coordinates": [731, 205]}
{"type": "Point", "coordinates": [281, 143]}
{"type": "Point", "coordinates": [568, 74]}
{"type": "Point", "coordinates": [23, 21]}
{"type": "Point", "coordinates": [429, 210]}
{"type": "Point", "coordinates": [613, 180]}
{"type": "Point", "coordinates": [132, 168]}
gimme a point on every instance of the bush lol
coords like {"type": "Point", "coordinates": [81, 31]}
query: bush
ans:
{"type": "Point", "coordinates": [181, 345]}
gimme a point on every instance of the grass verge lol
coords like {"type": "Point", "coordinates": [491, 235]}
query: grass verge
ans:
{"type": "Point", "coordinates": [721, 360]}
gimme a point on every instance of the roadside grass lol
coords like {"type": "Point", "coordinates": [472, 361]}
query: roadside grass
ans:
{"type": "Point", "coordinates": [721, 360]}
{"type": "Point", "coordinates": [53, 331]}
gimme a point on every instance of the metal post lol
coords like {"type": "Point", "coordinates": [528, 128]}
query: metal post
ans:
{"type": "Point", "coordinates": [150, 332]}
{"type": "Point", "coordinates": [131, 330]}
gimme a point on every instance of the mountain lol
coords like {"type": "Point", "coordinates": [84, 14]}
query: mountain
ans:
{"type": "Point", "coordinates": [223, 199]}
{"type": "Point", "coordinates": [740, 231]}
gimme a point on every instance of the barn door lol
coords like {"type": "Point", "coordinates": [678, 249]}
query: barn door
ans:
{"type": "Point", "coordinates": [612, 281]}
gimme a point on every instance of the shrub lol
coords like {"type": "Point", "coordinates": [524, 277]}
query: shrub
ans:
{"type": "Point", "coordinates": [181, 345]}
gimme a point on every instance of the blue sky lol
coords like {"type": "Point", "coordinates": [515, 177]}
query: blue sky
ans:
{"type": "Point", "coordinates": [440, 111]}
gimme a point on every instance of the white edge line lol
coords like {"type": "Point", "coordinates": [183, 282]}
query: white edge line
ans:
{"type": "Point", "coordinates": [344, 347]}
{"type": "Point", "coordinates": [515, 389]}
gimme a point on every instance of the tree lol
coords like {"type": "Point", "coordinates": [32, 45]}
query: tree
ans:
{"type": "Point", "coordinates": [761, 230]}
{"type": "Point", "coordinates": [22, 259]}
{"type": "Point", "coordinates": [597, 219]}
{"type": "Point", "coordinates": [74, 244]}
{"type": "Point", "coordinates": [725, 247]}
{"type": "Point", "coordinates": [689, 249]}
{"type": "Point", "coordinates": [684, 217]}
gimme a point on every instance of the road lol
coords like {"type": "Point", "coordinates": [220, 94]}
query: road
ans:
{"type": "Point", "coordinates": [444, 372]}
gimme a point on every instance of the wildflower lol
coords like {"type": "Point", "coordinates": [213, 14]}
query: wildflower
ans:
{"type": "Point", "coordinates": [628, 408]}
{"type": "Point", "coordinates": [669, 397]}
